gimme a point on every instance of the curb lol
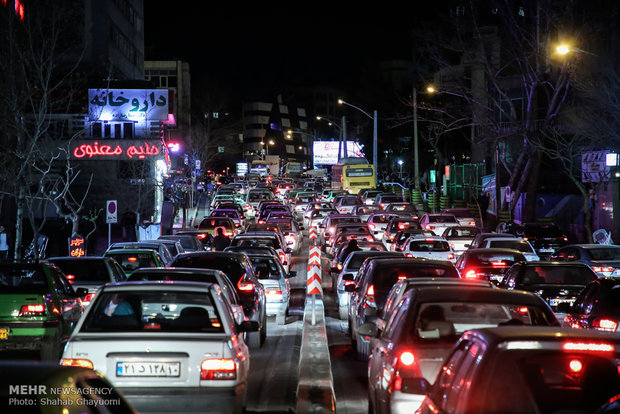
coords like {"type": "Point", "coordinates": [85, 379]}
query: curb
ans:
{"type": "Point", "coordinates": [315, 388]}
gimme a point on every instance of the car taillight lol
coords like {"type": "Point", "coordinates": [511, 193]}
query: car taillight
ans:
{"type": "Point", "coordinates": [72, 362]}
{"type": "Point", "coordinates": [401, 227]}
{"type": "Point", "coordinates": [450, 256]}
{"type": "Point", "coordinates": [273, 292]}
{"type": "Point", "coordinates": [499, 264]}
{"type": "Point", "coordinates": [429, 227]}
{"type": "Point", "coordinates": [371, 226]}
{"type": "Point", "coordinates": [70, 277]}
{"type": "Point", "coordinates": [600, 269]}
{"type": "Point", "coordinates": [132, 259]}
{"type": "Point", "coordinates": [370, 297]}
{"type": "Point", "coordinates": [472, 223]}
{"type": "Point", "coordinates": [88, 298]}
{"type": "Point", "coordinates": [218, 369]}
{"type": "Point", "coordinates": [201, 236]}
{"type": "Point", "coordinates": [339, 266]}
{"type": "Point", "coordinates": [32, 310]}
{"type": "Point", "coordinates": [408, 255]}
{"type": "Point", "coordinates": [471, 274]}
{"type": "Point", "coordinates": [575, 366]}
{"type": "Point", "coordinates": [607, 325]}
{"type": "Point", "coordinates": [587, 346]}
{"type": "Point", "coordinates": [244, 285]}
{"type": "Point", "coordinates": [404, 364]}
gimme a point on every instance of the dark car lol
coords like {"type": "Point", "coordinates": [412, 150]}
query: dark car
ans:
{"type": "Point", "coordinates": [189, 242]}
{"type": "Point", "coordinates": [489, 264]}
{"type": "Point", "coordinates": [375, 279]}
{"type": "Point", "coordinates": [238, 268]}
{"type": "Point", "coordinates": [89, 272]}
{"type": "Point", "coordinates": [38, 308]}
{"type": "Point", "coordinates": [524, 370]}
{"type": "Point", "coordinates": [604, 259]}
{"type": "Point", "coordinates": [204, 237]}
{"type": "Point", "coordinates": [596, 307]}
{"type": "Point", "coordinates": [546, 238]}
{"type": "Point", "coordinates": [553, 281]}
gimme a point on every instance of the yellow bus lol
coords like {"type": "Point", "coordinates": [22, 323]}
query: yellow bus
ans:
{"type": "Point", "coordinates": [353, 175]}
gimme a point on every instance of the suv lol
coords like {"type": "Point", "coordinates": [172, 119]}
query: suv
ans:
{"type": "Point", "coordinates": [39, 308]}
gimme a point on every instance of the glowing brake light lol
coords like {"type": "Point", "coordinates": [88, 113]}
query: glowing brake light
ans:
{"type": "Point", "coordinates": [575, 365]}
{"type": "Point", "coordinates": [70, 277]}
{"type": "Point", "coordinates": [429, 227]}
{"type": "Point", "coordinates": [587, 346]}
{"type": "Point", "coordinates": [498, 264]}
{"type": "Point", "coordinates": [471, 274]}
{"type": "Point", "coordinates": [371, 290]}
{"type": "Point", "coordinates": [218, 369]}
{"type": "Point", "coordinates": [132, 259]}
{"type": "Point", "coordinates": [32, 310]}
{"type": "Point", "coordinates": [407, 358]}
{"type": "Point", "coordinates": [600, 269]}
{"type": "Point", "coordinates": [402, 226]}
{"type": "Point", "coordinates": [371, 226]}
{"type": "Point", "coordinates": [88, 298]}
{"type": "Point", "coordinates": [71, 362]}
{"type": "Point", "coordinates": [201, 236]}
{"type": "Point", "coordinates": [605, 325]}
{"type": "Point", "coordinates": [472, 223]}
{"type": "Point", "coordinates": [450, 256]}
{"type": "Point", "coordinates": [245, 286]}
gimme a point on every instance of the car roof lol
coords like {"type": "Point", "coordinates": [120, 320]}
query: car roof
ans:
{"type": "Point", "coordinates": [501, 334]}
{"type": "Point", "coordinates": [477, 293]}
{"type": "Point", "coordinates": [423, 281]}
{"type": "Point", "coordinates": [407, 260]}
{"type": "Point", "coordinates": [158, 285]}
{"type": "Point", "coordinates": [167, 270]}
{"type": "Point", "coordinates": [491, 250]}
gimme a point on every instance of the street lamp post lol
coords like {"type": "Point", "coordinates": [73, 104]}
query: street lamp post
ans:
{"type": "Point", "coordinates": [416, 163]}
{"type": "Point", "coordinates": [400, 163]}
{"type": "Point", "coordinates": [374, 132]}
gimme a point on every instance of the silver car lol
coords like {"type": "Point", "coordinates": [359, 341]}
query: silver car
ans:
{"type": "Point", "coordinates": [166, 346]}
{"type": "Point", "coordinates": [274, 278]}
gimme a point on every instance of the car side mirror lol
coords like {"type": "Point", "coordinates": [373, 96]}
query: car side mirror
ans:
{"type": "Point", "coordinates": [416, 385]}
{"type": "Point", "coordinates": [248, 326]}
{"type": "Point", "coordinates": [81, 292]}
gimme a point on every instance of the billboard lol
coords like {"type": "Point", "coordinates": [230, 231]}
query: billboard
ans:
{"type": "Point", "coordinates": [326, 152]}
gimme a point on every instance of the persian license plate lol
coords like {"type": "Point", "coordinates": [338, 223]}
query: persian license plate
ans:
{"type": "Point", "coordinates": [148, 369]}
{"type": "Point", "coordinates": [498, 278]}
{"type": "Point", "coordinates": [557, 301]}
{"type": "Point", "coordinates": [549, 250]}
{"type": "Point", "coordinates": [4, 333]}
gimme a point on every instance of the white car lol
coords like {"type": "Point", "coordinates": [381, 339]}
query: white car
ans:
{"type": "Point", "coordinates": [438, 222]}
{"type": "Point", "coordinates": [462, 214]}
{"type": "Point", "coordinates": [518, 244]}
{"type": "Point", "coordinates": [434, 247]}
{"type": "Point", "coordinates": [274, 279]}
{"type": "Point", "coordinates": [377, 222]}
{"type": "Point", "coordinates": [165, 345]}
{"type": "Point", "coordinates": [460, 237]}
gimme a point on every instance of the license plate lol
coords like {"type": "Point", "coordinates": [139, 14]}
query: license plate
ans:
{"type": "Point", "coordinates": [148, 369]}
{"type": "Point", "coordinates": [546, 250]}
{"type": "Point", "coordinates": [4, 333]}
{"type": "Point", "coordinates": [499, 278]}
{"type": "Point", "coordinates": [555, 302]}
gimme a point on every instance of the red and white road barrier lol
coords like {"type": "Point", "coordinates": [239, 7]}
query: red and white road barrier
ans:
{"type": "Point", "coordinates": [314, 271]}
{"type": "Point", "coordinates": [313, 233]}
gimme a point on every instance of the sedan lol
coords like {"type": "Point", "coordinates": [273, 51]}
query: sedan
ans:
{"type": "Point", "coordinates": [420, 335]}
{"type": "Point", "coordinates": [189, 242]}
{"type": "Point", "coordinates": [460, 237]}
{"type": "Point", "coordinates": [166, 346]}
{"type": "Point", "coordinates": [487, 264]}
{"type": "Point", "coordinates": [132, 259]}
{"type": "Point", "coordinates": [438, 222]}
{"type": "Point", "coordinates": [435, 248]}
{"type": "Point", "coordinates": [596, 307]}
{"type": "Point", "coordinates": [274, 278]}
{"type": "Point", "coordinates": [604, 259]}
{"type": "Point", "coordinates": [521, 245]}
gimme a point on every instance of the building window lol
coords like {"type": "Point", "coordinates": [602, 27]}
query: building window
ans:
{"type": "Point", "coordinates": [117, 131]}
{"type": "Point", "coordinates": [107, 131]}
{"type": "Point", "coordinates": [128, 130]}
{"type": "Point", "coordinates": [96, 128]}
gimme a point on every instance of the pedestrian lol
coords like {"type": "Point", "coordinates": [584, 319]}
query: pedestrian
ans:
{"type": "Point", "coordinates": [351, 247]}
{"type": "Point", "coordinates": [221, 240]}
{"type": "Point", "coordinates": [4, 244]}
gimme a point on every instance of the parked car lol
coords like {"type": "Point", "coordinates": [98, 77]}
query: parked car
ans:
{"type": "Point", "coordinates": [89, 272]}
{"type": "Point", "coordinates": [428, 321]}
{"type": "Point", "coordinates": [38, 308]}
{"type": "Point", "coordinates": [555, 282]}
{"type": "Point", "coordinates": [519, 244]}
{"type": "Point", "coordinates": [132, 259]}
{"type": "Point", "coordinates": [194, 347]}
{"type": "Point", "coordinates": [238, 268]}
{"type": "Point", "coordinates": [274, 278]}
{"type": "Point", "coordinates": [438, 222]}
{"type": "Point", "coordinates": [524, 370]}
{"type": "Point", "coordinates": [597, 306]}
{"type": "Point", "coordinates": [460, 237]}
{"type": "Point", "coordinates": [375, 279]}
{"type": "Point", "coordinates": [487, 264]}
{"type": "Point", "coordinates": [604, 259]}
{"type": "Point", "coordinates": [424, 247]}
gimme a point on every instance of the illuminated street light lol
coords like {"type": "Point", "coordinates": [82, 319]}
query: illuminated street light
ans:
{"type": "Point", "coordinates": [416, 157]}
{"type": "Point", "coordinates": [374, 131]}
{"type": "Point", "coordinates": [401, 162]}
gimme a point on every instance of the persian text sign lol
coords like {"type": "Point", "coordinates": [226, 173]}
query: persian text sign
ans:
{"type": "Point", "coordinates": [128, 104]}
{"type": "Point", "coordinates": [594, 168]}
{"type": "Point", "coordinates": [326, 152]}
{"type": "Point", "coordinates": [115, 149]}
{"type": "Point", "coordinates": [77, 246]}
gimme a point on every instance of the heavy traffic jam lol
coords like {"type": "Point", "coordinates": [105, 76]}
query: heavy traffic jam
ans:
{"type": "Point", "coordinates": [445, 314]}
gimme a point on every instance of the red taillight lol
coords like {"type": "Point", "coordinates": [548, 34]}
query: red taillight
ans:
{"type": "Point", "coordinates": [32, 310]}
{"type": "Point", "coordinates": [600, 269]}
{"type": "Point", "coordinates": [218, 369]}
{"type": "Point", "coordinates": [82, 363]}
{"type": "Point", "coordinates": [339, 266]}
{"type": "Point", "coordinates": [70, 277]}
{"type": "Point", "coordinates": [405, 363]}
{"type": "Point", "coordinates": [370, 291]}
{"type": "Point", "coordinates": [407, 358]}
{"type": "Point", "coordinates": [472, 223]}
{"type": "Point", "coordinates": [408, 255]}
{"type": "Point", "coordinates": [402, 277]}
{"type": "Point", "coordinates": [201, 235]}
{"type": "Point", "coordinates": [273, 292]}
{"type": "Point", "coordinates": [575, 365]}
{"type": "Point", "coordinates": [471, 274]}
{"type": "Point", "coordinates": [587, 346]}
{"type": "Point", "coordinates": [245, 286]}
{"type": "Point", "coordinates": [450, 256]}
{"type": "Point", "coordinates": [605, 325]}
{"type": "Point", "coordinates": [282, 257]}
{"type": "Point", "coordinates": [429, 227]}
{"type": "Point", "coordinates": [371, 226]}
{"type": "Point", "coordinates": [401, 227]}
{"type": "Point", "coordinates": [498, 264]}
{"type": "Point", "coordinates": [132, 259]}
{"type": "Point", "coordinates": [88, 298]}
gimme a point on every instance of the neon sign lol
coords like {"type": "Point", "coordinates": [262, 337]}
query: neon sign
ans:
{"type": "Point", "coordinates": [123, 104]}
{"type": "Point", "coordinates": [130, 149]}
{"type": "Point", "coordinates": [77, 246]}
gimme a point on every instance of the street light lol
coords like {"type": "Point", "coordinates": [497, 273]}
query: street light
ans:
{"type": "Point", "coordinates": [270, 142]}
{"type": "Point", "coordinates": [329, 122]}
{"type": "Point", "coordinates": [400, 162]}
{"type": "Point", "coordinates": [416, 162]}
{"type": "Point", "coordinates": [374, 131]}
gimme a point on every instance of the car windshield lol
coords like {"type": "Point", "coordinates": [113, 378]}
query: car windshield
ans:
{"type": "Point", "coordinates": [557, 275]}
{"type": "Point", "coordinates": [266, 268]}
{"type": "Point", "coordinates": [84, 270]}
{"type": "Point", "coordinates": [519, 245]}
{"type": "Point", "coordinates": [429, 246]}
{"type": "Point", "coordinates": [131, 261]}
{"type": "Point", "coordinates": [153, 311]}
{"type": "Point", "coordinates": [15, 279]}
{"type": "Point", "coordinates": [605, 254]}
{"type": "Point", "coordinates": [449, 320]}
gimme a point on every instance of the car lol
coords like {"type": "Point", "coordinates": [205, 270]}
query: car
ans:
{"type": "Point", "coordinates": [425, 326]}
{"type": "Point", "coordinates": [438, 222]}
{"type": "Point", "coordinates": [368, 195]}
{"type": "Point", "coordinates": [132, 259]}
{"type": "Point", "coordinates": [338, 261]}
{"type": "Point", "coordinates": [487, 264]}
{"type": "Point", "coordinates": [262, 215]}
{"type": "Point", "coordinates": [401, 236]}
{"type": "Point", "coordinates": [292, 232]}
{"type": "Point", "coordinates": [266, 238]}
{"type": "Point", "coordinates": [384, 199]}
{"type": "Point", "coordinates": [159, 246]}
{"type": "Point", "coordinates": [424, 247]}
{"type": "Point", "coordinates": [83, 389]}
{"type": "Point", "coordinates": [195, 354]}
{"type": "Point", "coordinates": [375, 279]}
{"type": "Point", "coordinates": [463, 215]}
{"type": "Point", "coordinates": [348, 229]}
{"type": "Point", "coordinates": [194, 275]}
{"type": "Point", "coordinates": [397, 224]}
{"type": "Point", "coordinates": [377, 223]}
{"type": "Point", "coordinates": [546, 238]}
{"type": "Point", "coordinates": [344, 238]}
{"type": "Point", "coordinates": [516, 244]}
{"type": "Point", "coordinates": [363, 212]}
{"type": "Point", "coordinates": [89, 272]}
{"type": "Point", "coordinates": [300, 203]}
{"type": "Point", "coordinates": [174, 246]}
{"type": "Point", "coordinates": [230, 213]}
{"type": "Point", "coordinates": [524, 370]}
{"type": "Point", "coordinates": [346, 204]}
{"type": "Point", "coordinates": [597, 306]}
{"type": "Point", "coordinates": [238, 268]}
{"type": "Point", "coordinates": [402, 208]}
{"type": "Point", "coordinates": [315, 205]}
{"type": "Point", "coordinates": [189, 242]}
{"type": "Point", "coordinates": [460, 237]}
{"type": "Point", "coordinates": [39, 308]}
{"type": "Point", "coordinates": [274, 278]}
{"type": "Point", "coordinates": [253, 197]}
{"type": "Point", "coordinates": [205, 238]}
{"type": "Point", "coordinates": [316, 217]}
{"type": "Point", "coordinates": [347, 273]}
{"type": "Point", "coordinates": [604, 259]}
{"type": "Point", "coordinates": [249, 250]}
{"type": "Point", "coordinates": [210, 224]}
{"type": "Point", "coordinates": [328, 195]}
{"type": "Point", "coordinates": [328, 226]}
{"type": "Point", "coordinates": [555, 282]}
{"type": "Point", "coordinates": [480, 238]}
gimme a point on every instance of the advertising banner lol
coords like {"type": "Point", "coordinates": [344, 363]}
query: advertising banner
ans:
{"type": "Point", "coordinates": [326, 152]}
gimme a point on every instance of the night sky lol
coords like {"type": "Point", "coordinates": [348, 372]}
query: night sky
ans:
{"type": "Point", "coordinates": [248, 46]}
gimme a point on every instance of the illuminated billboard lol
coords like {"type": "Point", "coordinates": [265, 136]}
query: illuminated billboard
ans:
{"type": "Point", "coordinates": [326, 152]}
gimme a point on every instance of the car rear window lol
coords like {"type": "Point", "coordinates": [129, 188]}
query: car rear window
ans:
{"type": "Point", "coordinates": [381, 218]}
{"type": "Point", "coordinates": [153, 311]}
{"type": "Point", "coordinates": [266, 268]}
{"type": "Point", "coordinates": [212, 223]}
{"type": "Point", "coordinates": [132, 261]}
{"type": "Point", "coordinates": [557, 275]}
{"type": "Point", "coordinates": [442, 219]}
{"type": "Point", "coordinates": [429, 246]}
{"type": "Point", "coordinates": [22, 279]}
{"type": "Point", "coordinates": [488, 259]}
{"type": "Point", "coordinates": [605, 254]}
{"type": "Point", "coordinates": [542, 231]}
{"type": "Point", "coordinates": [337, 220]}
{"type": "Point", "coordinates": [84, 270]}
{"type": "Point", "coordinates": [402, 207]}
{"type": "Point", "coordinates": [519, 245]}
{"type": "Point", "coordinates": [257, 241]}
